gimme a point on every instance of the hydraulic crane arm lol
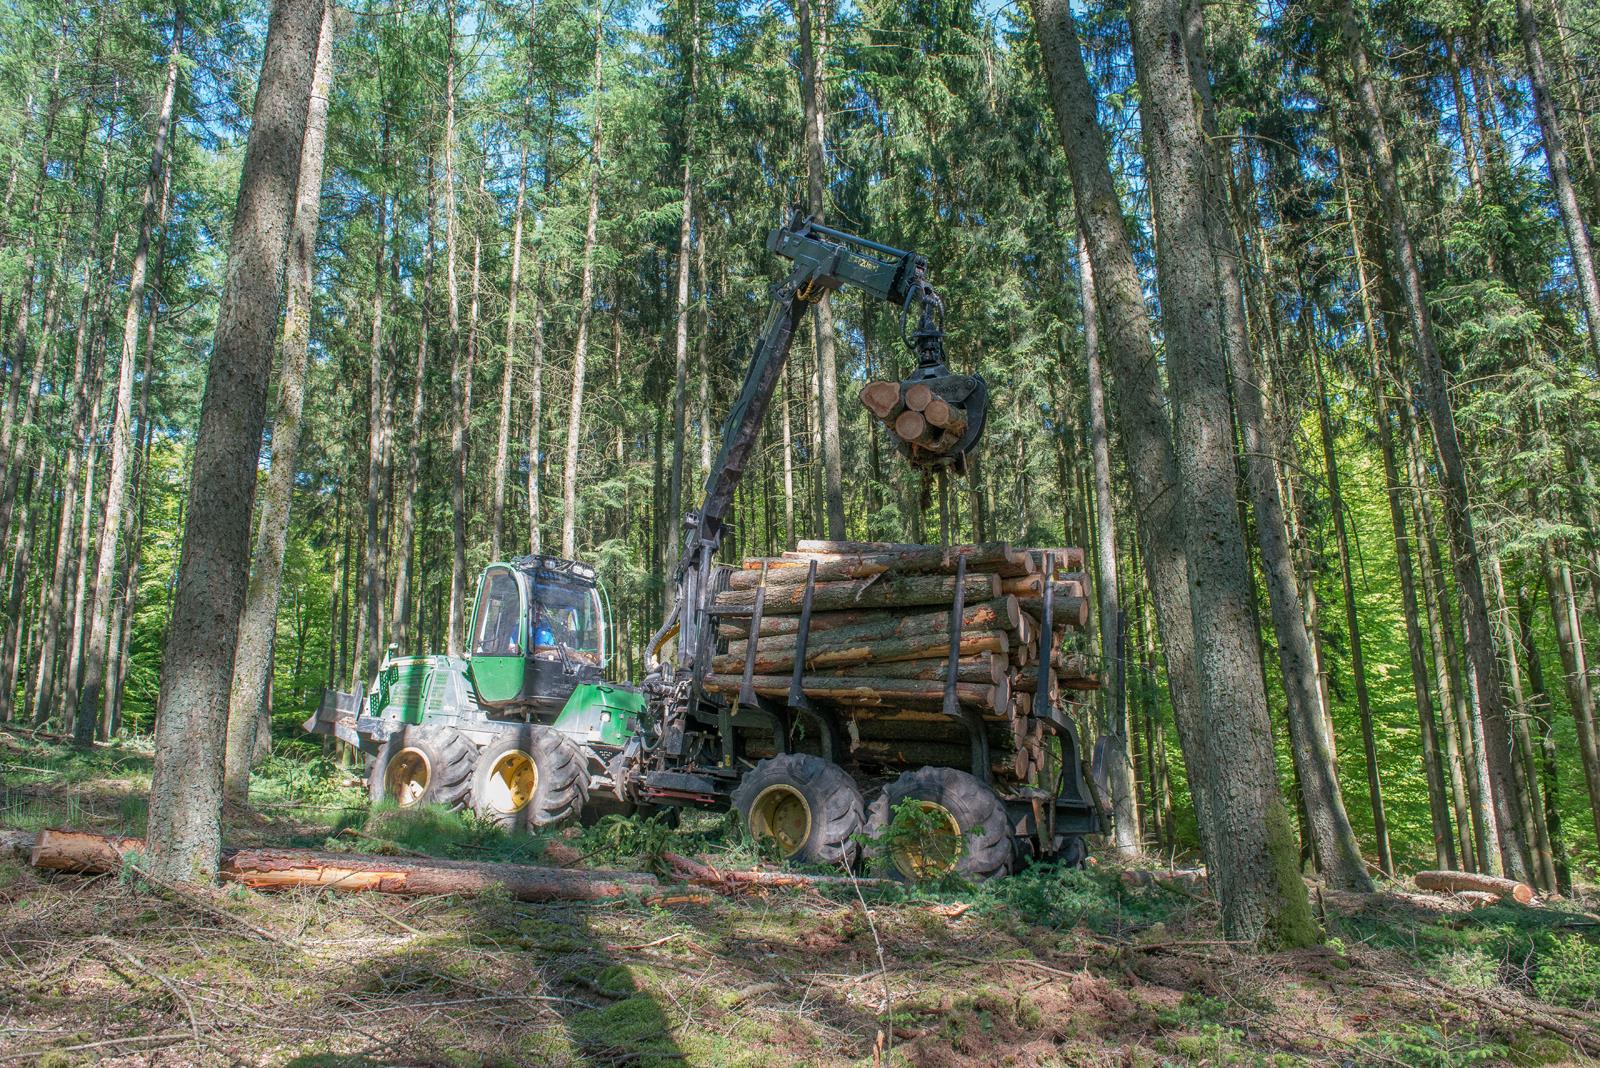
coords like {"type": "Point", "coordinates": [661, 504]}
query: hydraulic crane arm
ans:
{"type": "Point", "coordinates": [825, 260]}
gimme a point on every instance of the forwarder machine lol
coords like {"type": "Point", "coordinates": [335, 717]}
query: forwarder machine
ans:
{"type": "Point", "coordinates": [526, 727]}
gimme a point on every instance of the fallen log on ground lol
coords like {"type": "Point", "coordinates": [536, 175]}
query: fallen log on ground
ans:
{"type": "Point", "coordinates": [283, 869]}
{"type": "Point", "coordinates": [1457, 881]}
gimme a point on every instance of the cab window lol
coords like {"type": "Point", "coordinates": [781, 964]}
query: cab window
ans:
{"type": "Point", "coordinates": [565, 616]}
{"type": "Point", "coordinates": [498, 616]}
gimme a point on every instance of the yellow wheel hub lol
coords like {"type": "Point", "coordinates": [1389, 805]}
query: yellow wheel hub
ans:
{"type": "Point", "coordinates": [513, 780]}
{"type": "Point", "coordinates": [932, 847]}
{"type": "Point", "coordinates": [780, 813]}
{"type": "Point", "coordinates": [407, 777]}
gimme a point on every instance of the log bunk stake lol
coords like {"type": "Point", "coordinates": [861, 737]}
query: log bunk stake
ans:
{"type": "Point", "coordinates": [956, 655]}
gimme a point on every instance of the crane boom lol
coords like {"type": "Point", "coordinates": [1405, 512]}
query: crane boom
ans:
{"type": "Point", "coordinates": [825, 260]}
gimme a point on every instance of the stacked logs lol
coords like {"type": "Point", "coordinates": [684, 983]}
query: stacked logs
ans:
{"type": "Point", "coordinates": [916, 414]}
{"type": "Point", "coordinates": [878, 637]}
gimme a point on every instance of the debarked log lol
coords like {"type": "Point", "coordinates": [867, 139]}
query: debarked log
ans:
{"type": "Point", "coordinates": [1065, 609]}
{"type": "Point", "coordinates": [1456, 881]}
{"type": "Point", "coordinates": [1002, 613]}
{"type": "Point", "coordinates": [857, 690]}
{"type": "Point", "coordinates": [996, 556]}
{"type": "Point", "coordinates": [772, 659]}
{"type": "Point", "coordinates": [905, 591]}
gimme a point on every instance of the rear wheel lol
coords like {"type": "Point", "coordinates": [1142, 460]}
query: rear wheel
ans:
{"type": "Point", "coordinates": [954, 825]}
{"type": "Point", "coordinates": [423, 766]}
{"type": "Point", "coordinates": [805, 805]}
{"type": "Point", "coordinates": [530, 777]}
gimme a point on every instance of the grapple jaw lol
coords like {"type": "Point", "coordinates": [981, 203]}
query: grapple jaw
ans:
{"type": "Point", "coordinates": [934, 417]}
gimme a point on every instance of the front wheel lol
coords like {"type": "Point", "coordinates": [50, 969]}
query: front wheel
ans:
{"type": "Point", "coordinates": [530, 777]}
{"type": "Point", "coordinates": [805, 805]}
{"type": "Point", "coordinates": [934, 822]}
{"type": "Point", "coordinates": [423, 766]}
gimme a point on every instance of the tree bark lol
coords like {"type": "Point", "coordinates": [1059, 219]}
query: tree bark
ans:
{"type": "Point", "coordinates": [1263, 898]}
{"type": "Point", "coordinates": [1575, 672]}
{"type": "Point", "coordinates": [404, 595]}
{"type": "Point", "coordinates": [1548, 774]}
{"type": "Point", "coordinates": [1352, 619]}
{"type": "Point", "coordinates": [1483, 677]}
{"type": "Point", "coordinates": [197, 663]}
{"type": "Point", "coordinates": [508, 365]}
{"type": "Point", "coordinates": [94, 653]}
{"type": "Point", "coordinates": [680, 337]}
{"type": "Point", "coordinates": [1126, 836]}
{"type": "Point", "coordinates": [1579, 241]}
{"type": "Point", "coordinates": [580, 348]}
{"type": "Point", "coordinates": [1438, 804]}
{"type": "Point", "coordinates": [252, 664]}
{"type": "Point", "coordinates": [286, 869]}
{"type": "Point", "coordinates": [1131, 360]}
{"type": "Point", "coordinates": [460, 374]}
{"type": "Point", "coordinates": [812, 18]}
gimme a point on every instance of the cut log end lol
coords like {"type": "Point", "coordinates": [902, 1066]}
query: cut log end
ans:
{"type": "Point", "coordinates": [1455, 882]}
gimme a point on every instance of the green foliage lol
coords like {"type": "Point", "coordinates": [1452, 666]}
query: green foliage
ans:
{"type": "Point", "coordinates": [438, 832]}
{"type": "Point", "coordinates": [1048, 895]}
{"type": "Point", "coordinates": [1430, 1046]}
{"type": "Point", "coordinates": [1568, 971]}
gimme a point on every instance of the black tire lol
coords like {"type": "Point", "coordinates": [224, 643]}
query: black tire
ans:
{"type": "Point", "coordinates": [986, 847]}
{"type": "Point", "coordinates": [559, 784]}
{"type": "Point", "coordinates": [832, 808]}
{"type": "Point", "coordinates": [445, 758]}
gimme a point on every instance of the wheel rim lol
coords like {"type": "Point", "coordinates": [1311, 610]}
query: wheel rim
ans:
{"type": "Point", "coordinates": [513, 779]}
{"type": "Point", "coordinates": [780, 814]}
{"type": "Point", "coordinates": [408, 776]}
{"type": "Point", "coordinates": [932, 847]}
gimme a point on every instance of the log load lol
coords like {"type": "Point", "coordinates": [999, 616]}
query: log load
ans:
{"type": "Point", "coordinates": [877, 643]}
{"type": "Point", "coordinates": [282, 869]}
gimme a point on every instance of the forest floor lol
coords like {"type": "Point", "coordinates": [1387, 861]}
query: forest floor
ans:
{"type": "Point", "coordinates": [1045, 968]}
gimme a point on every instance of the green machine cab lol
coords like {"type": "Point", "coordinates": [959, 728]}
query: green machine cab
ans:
{"type": "Point", "coordinates": [522, 727]}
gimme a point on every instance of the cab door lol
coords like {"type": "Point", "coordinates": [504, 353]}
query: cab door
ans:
{"type": "Point", "coordinates": [499, 641]}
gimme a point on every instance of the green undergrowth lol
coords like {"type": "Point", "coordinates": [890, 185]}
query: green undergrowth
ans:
{"type": "Point", "coordinates": [1551, 952]}
{"type": "Point", "coordinates": [430, 830]}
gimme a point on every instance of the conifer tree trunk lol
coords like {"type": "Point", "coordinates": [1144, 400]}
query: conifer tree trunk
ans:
{"type": "Point", "coordinates": [812, 17]}
{"type": "Point", "coordinates": [580, 348]}
{"type": "Point", "coordinates": [184, 836]}
{"type": "Point", "coordinates": [404, 596]}
{"type": "Point", "coordinates": [252, 664]}
{"type": "Point", "coordinates": [1467, 777]}
{"type": "Point", "coordinates": [94, 653]}
{"type": "Point", "coordinates": [369, 637]}
{"type": "Point", "coordinates": [509, 365]}
{"type": "Point", "coordinates": [1579, 240]}
{"type": "Point", "coordinates": [459, 375]}
{"type": "Point", "coordinates": [1548, 775]}
{"type": "Point", "coordinates": [1130, 357]}
{"type": "Point", "coordinates": [680, 337]}
{"type": "Point", "coordinates": [1352, 619]}
{"type": "Point", "coordinates": [1125, 830]}
{"type": "Point", "coordinates": [1438, 804]}
{"type": "Point", "coordinates": [1320, 797]}
{"type": "Point", "coordinates": [1483, 676]}
{"type": "Point", "coordinates": [1263, 899]}
{"type": "Point", "coordinates": [1575, 670]}
{"type": "Point", "coordinates": [1536, 829]}
{"type": "Point", "coordinates": [536, 419]}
